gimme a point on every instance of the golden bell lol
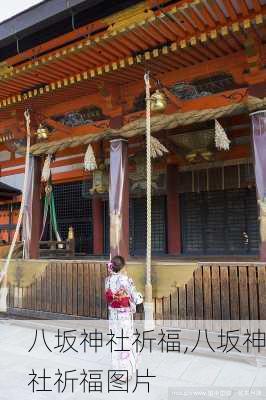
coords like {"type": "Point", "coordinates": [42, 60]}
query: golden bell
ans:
{"type": "Point", "coordinates": [42, 132]}
{"type": "Point", "coordinates": [158, 101]}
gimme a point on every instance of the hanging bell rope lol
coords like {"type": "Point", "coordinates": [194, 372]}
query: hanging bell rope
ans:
{"type": "Point", "coordinates": [221, 139]}
{"type": "Point", "coordinates": [46, 171]}
{"type": "Point", "coordinates": [49, 205]}
{"type": "Point", "coordinates": [3, 276]}
{"type": "Point", "coordinates": [53, 218]}
{"type": "Point", "coordinates": [89, 159]}
{"type": "Point", "coordinates": [148, 307]}
{"type": "Point", "coordinates": [49, 208]}
{"type": "Point", "coordinates": [157, 148]}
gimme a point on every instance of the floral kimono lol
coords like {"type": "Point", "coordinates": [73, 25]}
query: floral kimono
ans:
{"type": "Point", "coordinates": [122, 297]}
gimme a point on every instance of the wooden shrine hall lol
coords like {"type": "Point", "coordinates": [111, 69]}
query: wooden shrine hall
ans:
{"type": "Point", "coordinates": [79, 70]}
{"type": "Point", "coordinates": [86, 87]}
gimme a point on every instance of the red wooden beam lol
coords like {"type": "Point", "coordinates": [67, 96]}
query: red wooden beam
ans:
{"type": "Point", "coordinates": [98, 228]}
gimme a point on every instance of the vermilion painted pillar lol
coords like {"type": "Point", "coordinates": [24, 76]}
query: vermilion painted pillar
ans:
{"type": "Point", "coordinates": [36, 210]}
{"type": "Point", "coordinates": [173, 212]}
{"type": "Point", "coordinates": [97, 215]}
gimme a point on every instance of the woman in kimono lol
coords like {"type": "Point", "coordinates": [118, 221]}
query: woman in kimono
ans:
{"type": "Point", "coordinates": [122, 298]}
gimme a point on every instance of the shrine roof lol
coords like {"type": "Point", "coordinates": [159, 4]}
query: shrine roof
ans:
{"type": "Point", "coordinates": [118, 48]}
{"type": "Point", "coordinates": [49, 19]}
{"type": "Point", "coordinates": [8, 192]}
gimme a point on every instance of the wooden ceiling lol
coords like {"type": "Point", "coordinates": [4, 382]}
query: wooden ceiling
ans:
{"type": "Point", "coordinates": [168, 38]}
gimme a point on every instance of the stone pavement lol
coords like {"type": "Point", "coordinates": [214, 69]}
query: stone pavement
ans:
{"type": "Point", "coordinates": [178, 375]}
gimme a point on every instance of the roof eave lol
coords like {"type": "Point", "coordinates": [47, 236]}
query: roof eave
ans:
{"type": "Point", "coordinates": [40, 15]}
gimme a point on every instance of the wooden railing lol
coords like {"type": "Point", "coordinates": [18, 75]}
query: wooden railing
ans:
{"type": "Point", "coordinates": [64, 288]}
{"type": "Point", "coordinates": [56, 249]}
{"type": "Point", "coordinates": [50, 249]}
{"type": "Point", "coordinates": [216, 291]}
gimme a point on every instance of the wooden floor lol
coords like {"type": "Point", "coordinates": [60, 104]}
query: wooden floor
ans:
{"type": "Point", "coordinates": [218, 291]}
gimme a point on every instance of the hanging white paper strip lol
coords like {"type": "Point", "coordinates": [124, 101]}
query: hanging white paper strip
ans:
{"type": "Point", "coordinates": [46, 171]}
{"type": "Point", "coordinates": [89, 159]}
{"type": "Point", "coordinates": [157, 148]}
{"type": "Point", "coordinates": [221, 139]}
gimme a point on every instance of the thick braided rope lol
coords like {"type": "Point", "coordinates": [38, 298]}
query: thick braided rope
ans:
{"type": "Point", "coordinates": [158, 123]}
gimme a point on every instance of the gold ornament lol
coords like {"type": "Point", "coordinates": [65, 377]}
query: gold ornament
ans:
{"type": "Point", "coordinates": [70, 235]}
{"type": "Point", "coordinates": [5, 69]}
{"type": "Point", "coordinates": [100, 180]}
{"type": "Point", "coordinates": [42, 132]}
{"type": "Point", "coordinates": [130, 16]}
{"type": "Point", "coordinates": [48, 189]}
{"type": "Point", "coordinates": [158, 101]}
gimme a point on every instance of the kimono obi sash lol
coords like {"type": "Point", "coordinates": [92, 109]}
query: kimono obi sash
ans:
{"type": "Point", "coordinates": [118, 299]}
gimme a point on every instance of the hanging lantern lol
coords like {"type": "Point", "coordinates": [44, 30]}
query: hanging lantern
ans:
{"type": "Point", "coordinates": [42, 132]}
{"type": "Point", "coordinates": [158, 102]}
{"type": "Point", "coordinates": [100, 180]}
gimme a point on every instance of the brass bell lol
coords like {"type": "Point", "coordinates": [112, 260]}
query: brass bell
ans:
{"type": "Point", "coordinates": [42, 132]}
{"type": "Point", "coordinates": [158, 101]}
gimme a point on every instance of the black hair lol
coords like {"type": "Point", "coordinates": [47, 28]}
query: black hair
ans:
{"type": "Point", "coordinates": [118, 263]}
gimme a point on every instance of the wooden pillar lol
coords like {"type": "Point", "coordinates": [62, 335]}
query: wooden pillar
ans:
{"type": "Point", "coordinates": [36, 210]}
{"type": "Point", "coordinates": [119, 198]}
{"type": "Point", "coordinates": [125, 211]}
{"type": "Point", "coordinates": [173, 212]}
{"type": "Point", "coordinates": [258, 119]}
{"type": "Point", "coordinates": [10, 208]}
{"type": "Point", "coordinates": [97, 217]}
